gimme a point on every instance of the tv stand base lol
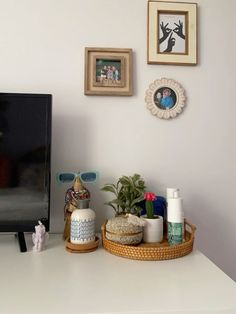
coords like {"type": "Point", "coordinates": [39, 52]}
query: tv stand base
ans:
{"type": "Point", "coordinates": [21, 240]}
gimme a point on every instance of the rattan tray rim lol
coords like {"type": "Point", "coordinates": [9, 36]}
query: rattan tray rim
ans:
{"type": "Point", "coordinates": [151, 252]}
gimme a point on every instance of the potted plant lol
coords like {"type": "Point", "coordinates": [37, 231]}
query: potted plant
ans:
{"type": "Point", "coordinates": [153, 229]}
{"type": "Point", "coordinates": [128, 191]}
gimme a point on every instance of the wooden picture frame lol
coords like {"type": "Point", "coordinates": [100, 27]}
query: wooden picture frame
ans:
{"type": "Point", "coordinates": [108, 71]}
{"type": "Point", "coordinates": [165, 98]}
{"type": "Point", "coordinates": [172, 33]}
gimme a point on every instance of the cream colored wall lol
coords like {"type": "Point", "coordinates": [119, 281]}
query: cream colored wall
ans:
{"type": "Point", "coordinates": [42, 50]}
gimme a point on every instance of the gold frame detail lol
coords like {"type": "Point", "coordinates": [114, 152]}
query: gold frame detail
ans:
{"type": "Point", "coordinates": [97, 81]}
{"type": "Point", "coordinates": [189, 36]}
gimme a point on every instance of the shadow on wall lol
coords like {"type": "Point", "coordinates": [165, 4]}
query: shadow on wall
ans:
{"type": "Point", "coordinates": [98, 198]}
{"type": "Point", "coordinates": [70, 152]}
{"type": "Point", "coordinates": [71, 138]}
{"type": "Point", "coordinates": [211, 232]}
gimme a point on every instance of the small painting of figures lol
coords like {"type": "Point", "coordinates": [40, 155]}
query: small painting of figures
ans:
{"type": "Point", "coordinates": [165, 98]}
{"type": "Point", "coordinates": [108, 72]}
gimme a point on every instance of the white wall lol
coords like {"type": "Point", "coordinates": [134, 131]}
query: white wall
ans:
{"type": "Point", "coordinates": [42, 50]}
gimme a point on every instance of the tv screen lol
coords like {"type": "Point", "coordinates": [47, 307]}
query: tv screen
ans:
{"type": "Point", "coordinates": [25, 141]}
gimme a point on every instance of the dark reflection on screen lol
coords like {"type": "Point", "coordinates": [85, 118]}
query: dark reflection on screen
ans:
{"type": "Point", "coordinates": [24, 157]}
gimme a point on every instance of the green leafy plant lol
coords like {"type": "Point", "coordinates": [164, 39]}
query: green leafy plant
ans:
{"type": "Point", "coordinates": [128, 191]}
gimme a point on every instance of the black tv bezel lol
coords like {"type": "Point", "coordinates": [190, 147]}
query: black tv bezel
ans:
{"type": "Point", "coordinates": [29, 225]}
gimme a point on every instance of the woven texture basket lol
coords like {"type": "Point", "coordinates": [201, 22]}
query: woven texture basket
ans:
{"type": "Point", "coordinates": [151, 251]}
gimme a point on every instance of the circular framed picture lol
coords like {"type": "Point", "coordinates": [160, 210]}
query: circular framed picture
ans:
{"type": "Point", "coordinates": [165, 98]}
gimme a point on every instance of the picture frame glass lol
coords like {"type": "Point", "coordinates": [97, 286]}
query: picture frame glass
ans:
{"type": "Point", "coordinates": [165, 98]}
{"type": "Point", "coordinates": [109, 72]}
{"type": "Point", "coordinates": [172, 32]}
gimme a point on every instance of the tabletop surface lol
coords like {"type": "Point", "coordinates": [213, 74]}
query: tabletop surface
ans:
{"type": "Point", "coordinates": [58, 282]}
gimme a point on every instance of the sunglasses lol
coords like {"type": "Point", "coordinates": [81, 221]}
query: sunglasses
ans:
{"type": "Point", "coordinates": [85, 177]}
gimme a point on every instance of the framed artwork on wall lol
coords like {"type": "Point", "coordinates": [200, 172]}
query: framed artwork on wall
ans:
{"type": "Point", "coordinates": [165, 98]}
{"type": "Point", "coordinates": [172, 33]}
{"type": "Point", "coordinates": [108, 71]}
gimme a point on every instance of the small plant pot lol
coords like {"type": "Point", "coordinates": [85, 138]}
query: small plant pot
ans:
{"type": "Point", "coordinates": [153, 229]}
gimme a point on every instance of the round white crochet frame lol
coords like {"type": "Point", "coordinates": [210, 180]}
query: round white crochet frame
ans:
{"type": "Point", "coordinates": [165, 113]}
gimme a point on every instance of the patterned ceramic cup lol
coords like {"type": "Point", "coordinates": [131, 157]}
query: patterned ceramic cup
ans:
{"type": "Point", "coordinates": [82, 226]}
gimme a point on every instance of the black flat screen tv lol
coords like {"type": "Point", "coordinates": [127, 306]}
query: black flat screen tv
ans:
{"type": "Point", "coordinates": [25, 153]}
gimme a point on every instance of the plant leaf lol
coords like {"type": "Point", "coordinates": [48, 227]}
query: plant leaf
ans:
{"type": "Point", "coordinates": [137, 200]}
{"type": "Point", "coordinates": [109, 204]}
{"type": "Point", "coordinates": [110, 188]}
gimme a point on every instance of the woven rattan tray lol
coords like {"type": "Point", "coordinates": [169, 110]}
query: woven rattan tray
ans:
{"type": "Point", "coordinates": [151, 251]}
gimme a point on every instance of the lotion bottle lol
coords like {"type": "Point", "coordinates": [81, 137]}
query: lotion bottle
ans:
{"type": "Point", "coordinates": [175, 219]}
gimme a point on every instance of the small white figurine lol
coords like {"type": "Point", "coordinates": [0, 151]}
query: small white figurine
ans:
{"type": "Point", "coordinates": [40, 237]}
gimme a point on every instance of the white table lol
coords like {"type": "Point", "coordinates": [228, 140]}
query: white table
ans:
{"type": "Point", "coordinates": [57, 282]}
